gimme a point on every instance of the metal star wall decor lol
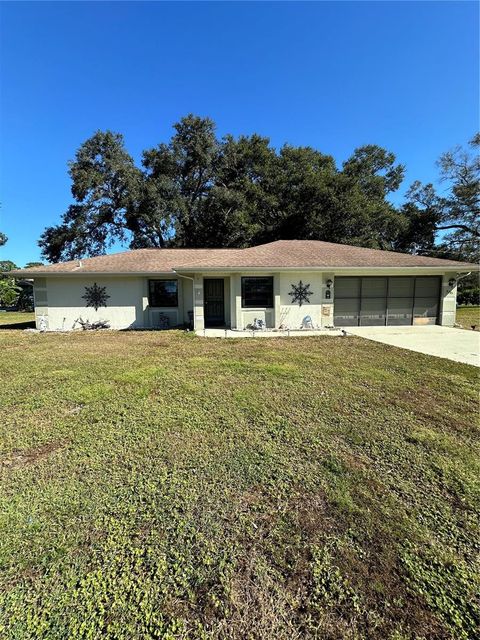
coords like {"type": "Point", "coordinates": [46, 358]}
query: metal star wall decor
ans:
{"type": "Point", "coordinates": [300, 293]}
{"type": "Point", "coordinates": [96, 296]}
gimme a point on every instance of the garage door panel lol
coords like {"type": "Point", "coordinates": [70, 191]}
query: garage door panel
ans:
{"type": "Point", "coordinates": [400, 287]}
{"type": "Point", "coordinates": [374, 287]}
{"type": "Point", "coordinates": [427, 287]}
{"type": "Point", "coordinates": [400, 311]}
{"type": "Point", "coordinates": [372, 312]}
{"type": "Point", "coordinates": [425, 311]}
{"type": "Point", "coordinates": [347, 287]}
{"type": "Point", "coordinates": [347, 312]}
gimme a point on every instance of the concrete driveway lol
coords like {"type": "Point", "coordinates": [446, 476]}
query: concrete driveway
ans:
{"type": "Point", "coordinates": [443, 342]}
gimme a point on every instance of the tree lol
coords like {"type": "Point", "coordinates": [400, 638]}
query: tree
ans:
{"type": "Point", "coordinates": [3, 239]}
{"type": "Point", "coordinates": [460, 212]}
{"type": "Point", "coordinates": [105, 185]}
{"type": "Point", "coordinates": [318, 201]}
{"type": "Point", "coordinates": [7, 265]}
{"type": "Point", "coordinates": [456, 211]}
{"type": "Point", "coordinates": [9, 290]}
{"type": "Point", "coordinates": [178, 179]}
{"type": "Point", "coordinates": [241, 200]}
{"type": "Point", "coordinates": [201, 191]}
{"type": "Point", "coordinates": [14, 291]}
{"type": "Point", "coordinates": [421, 217]}
{"type": "Point", "coordinates": [33, 264]}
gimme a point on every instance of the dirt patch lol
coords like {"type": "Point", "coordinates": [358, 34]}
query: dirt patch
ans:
{"type": "Point", "coordinates": [30, 456]}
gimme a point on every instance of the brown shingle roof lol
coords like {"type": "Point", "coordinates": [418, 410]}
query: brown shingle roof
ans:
{"type": "Point", "coordinates": [135, 261]}
{"type": "Point", "coordinates": [286, 254]}
{"type": "Point", "coordinates": [319, 254]}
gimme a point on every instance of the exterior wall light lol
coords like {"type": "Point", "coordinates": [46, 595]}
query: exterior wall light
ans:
{"type": "Point", "coordinates": [328, 293]}
{"type": "Point", "coordinates": [451, 282]}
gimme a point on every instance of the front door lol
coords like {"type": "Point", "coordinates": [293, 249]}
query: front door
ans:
{"type": "Point", "coordinates": [214, 304]}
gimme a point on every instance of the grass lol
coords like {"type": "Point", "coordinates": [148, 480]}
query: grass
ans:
{"type": "Point", "coordinates": [17, 318]}
{"type": "Point", "coordinates": [468, 316]}
{"type": "Point", "coordinates": [161, 485]}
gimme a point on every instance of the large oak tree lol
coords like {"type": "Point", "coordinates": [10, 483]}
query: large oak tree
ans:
{"type": "Point", "coordinates": [201, 191]}
{"type": "Point", "coordinates": [197, 190]}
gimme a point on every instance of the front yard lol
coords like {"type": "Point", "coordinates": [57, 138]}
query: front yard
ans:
{"type": "Point", "coordinates": [160, 485]}
{"type": "Point", "coordinates": [20, 319]}
{"type": "Point", "coordinates": [468, 317]}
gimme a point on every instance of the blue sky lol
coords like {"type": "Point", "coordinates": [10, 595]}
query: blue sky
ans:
{"type": "Point", "coordinates": [331, 75]}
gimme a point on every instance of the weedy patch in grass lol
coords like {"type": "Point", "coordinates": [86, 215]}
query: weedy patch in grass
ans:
{"type": "Point", "coordinates": [19, 458]}
{"type": "Point", "coordinates": [165, 486]}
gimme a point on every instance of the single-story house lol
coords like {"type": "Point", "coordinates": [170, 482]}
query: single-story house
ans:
{"type": "Point", "coordinates": [283, 284]}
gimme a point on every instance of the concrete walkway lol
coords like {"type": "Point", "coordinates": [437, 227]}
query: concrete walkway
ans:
{"type": "Point", "coordinates": [454, 344]}
{"type": "Point", "coordinates": [269, 333]}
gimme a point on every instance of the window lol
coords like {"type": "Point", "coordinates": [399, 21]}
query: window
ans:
{"type": "Point", "coordinates": [257, 292]}
{"type": "Point", "coordinates": [163, 293]}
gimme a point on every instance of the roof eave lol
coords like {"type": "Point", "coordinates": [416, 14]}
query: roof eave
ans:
{"type": "Point", "coordinates": [441, 268]}
{"type": "Point", "coordinates": [198, 268]}
{"type": "Point", "coordinates": [45, 274]}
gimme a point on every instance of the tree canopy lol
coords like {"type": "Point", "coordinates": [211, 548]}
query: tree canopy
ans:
{"type": "Point", "coordinates": [198, 190]}
{"type": "Point", "coordinates": [455, 213]}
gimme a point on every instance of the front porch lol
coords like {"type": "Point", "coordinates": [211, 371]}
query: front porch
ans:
{"type": "Point", "coordinates": [237, 302]}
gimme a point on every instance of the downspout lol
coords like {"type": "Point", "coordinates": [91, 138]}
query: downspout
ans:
{"type": "Point", "coordinates": [457, 278]}
{"type": "Point", "coordinates": [465, 275]}
{"type": "Point", "coordinates": [193, 295]}
{"type": "Point", "coordinates": [460, 277]}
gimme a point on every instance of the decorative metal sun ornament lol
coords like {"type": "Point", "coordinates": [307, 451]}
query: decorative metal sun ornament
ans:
{"type": "Point", "coordinates": [300, 293]}
{"type": "Point", "coordinates": [96, 296]}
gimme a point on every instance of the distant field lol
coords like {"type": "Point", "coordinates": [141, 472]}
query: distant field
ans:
{"type": "Point", "coordinates": [468, 316]}
{"type": "Point", "coordinates": [161, 485]}
{"type": "Point", "coordinates": [16, 317]}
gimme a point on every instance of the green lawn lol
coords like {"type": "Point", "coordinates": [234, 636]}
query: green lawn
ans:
{"type": "Point", "coordinates": [161, 485]}
{"type": "Point", "coordinates": [468, 316]}
{"type": "Point", "coordinates": [16, 318]}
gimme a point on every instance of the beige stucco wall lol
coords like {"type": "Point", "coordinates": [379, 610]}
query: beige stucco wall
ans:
{"type": "Point", "coordinates": [64, 302]}
{"type": "Point", "coordinates": [319, 308]}
{"type": "Point", "coordinates": [240, 317]}
{"type": "Point", "coordinates": [284, 312]}
{"type": "Point", "coordinates": [59, 300]}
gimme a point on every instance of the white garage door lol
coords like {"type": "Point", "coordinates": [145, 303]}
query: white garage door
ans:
{"type": "Point", "coordinates": [373, 301]}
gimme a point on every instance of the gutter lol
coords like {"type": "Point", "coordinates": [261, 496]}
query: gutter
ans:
{"type": "Point", "coordinates": [78, 273]}
{"type": "Point", "coordinates": [437, 269]}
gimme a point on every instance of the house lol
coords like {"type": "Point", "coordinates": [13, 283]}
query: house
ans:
{"type": "Point", "coordinates": [288, 283]}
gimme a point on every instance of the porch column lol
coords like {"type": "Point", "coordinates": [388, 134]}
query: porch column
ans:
{"type": "Point", "coordinates": [147, 321]}
{"type": "Point", "coordinates": [276, 300]}
{"type": "Point", "coordinates": [327, 303]}
{"type": "Point", "coordinates": [199, 321]}
{"type": "Point", "coordinates": [236, 301]}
